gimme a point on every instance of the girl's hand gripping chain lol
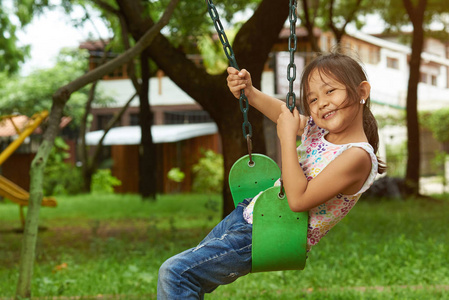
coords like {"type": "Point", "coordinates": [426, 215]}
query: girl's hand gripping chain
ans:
{"type": "Point", "coordinates": [269, 106]}
{"type": "Point", "coordinates": [239, 80]}
{"type": "Point", "coordinates": [288, 126]}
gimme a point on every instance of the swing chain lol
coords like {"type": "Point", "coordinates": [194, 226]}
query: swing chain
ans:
{"type": "Point", "coordinates": [221, 33]}
{"type": "Point", "coordinates": [291, 71]}
{"type": "Point", "coordinates": [243, 100]}
{"type": "Point", "coordinates": [281, 194]}
{"type": "Point", "coordinates": [292, 43]}
{"type": "Point", "coordinates": [250, 151]}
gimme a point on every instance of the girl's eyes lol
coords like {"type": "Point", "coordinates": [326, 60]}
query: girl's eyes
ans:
{"type": "Point", "coordinates": [327, 93]}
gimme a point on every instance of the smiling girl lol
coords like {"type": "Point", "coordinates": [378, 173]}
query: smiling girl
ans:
{"type": "Point", "coordinates": [326, 175]}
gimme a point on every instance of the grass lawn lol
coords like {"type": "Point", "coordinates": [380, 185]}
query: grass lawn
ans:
{"type": "Point", "coordinates": [94, 245]}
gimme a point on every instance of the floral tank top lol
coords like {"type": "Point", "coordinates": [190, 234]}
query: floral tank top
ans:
{"type": "Point", "coordinates": [314, 154]}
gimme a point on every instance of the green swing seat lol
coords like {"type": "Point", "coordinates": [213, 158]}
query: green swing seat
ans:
{"type": "Point", "coordinates": [279, 234]}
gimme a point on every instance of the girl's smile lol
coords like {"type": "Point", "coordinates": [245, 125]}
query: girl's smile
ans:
{"type": "Point", "coordinates": [329, 115]}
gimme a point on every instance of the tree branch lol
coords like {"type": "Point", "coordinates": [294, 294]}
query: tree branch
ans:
{"type": "Point", "coordinates": [64, 92]}
{"type": "Point", "coordinates": [331, 23]}
{"type": "Point", "coordinates": [131, 68]}
{"type": "Point", "coordinates": [107, 7]}
{"type": "Point", "coordinates": [109, 126]}
{"type": "Point", "coordinates": [83, 125]}
{"type": "Point", "coordinates": [339, 32]}
{"type": "Point", "coordinates": [310, 24]}
{"type": "Point", "coordinates": [351, 15]}
{"type": "Point", "coordinates": [60, 97]}
{"type": "Point", "coordinates": [416, 14]}
{"type": "Point", "coordinates": [125, 37]}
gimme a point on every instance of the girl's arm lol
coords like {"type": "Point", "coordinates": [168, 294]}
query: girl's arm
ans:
{"type": "Point", "coordinates": [269, 106]}
{"type": "Point", "coordinates": [346, 174]}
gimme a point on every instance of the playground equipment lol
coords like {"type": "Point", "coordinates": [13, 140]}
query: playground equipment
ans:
{"type": "Point", "coordinates": [9, 189]}
{"type": "Point", "coordinates": [279, 234]}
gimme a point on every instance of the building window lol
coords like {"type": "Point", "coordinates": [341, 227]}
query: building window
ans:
{"type": "Point", "coordinates": [392, 63]}
{"type": "Point", "coordinates": [134, 119]}
{"type": "Point", "coordinates": [186, 117]}
{"type": "Point", "coordinates": [119, 73]}
{"type": "Point", "coordinates": [423, 77]}
{"type": "Point", "coordinates": [374, 56]}
{"type": "Point", "coordinates": [103, 121]}
{"type": "Point", "coordinates": [433, 80]}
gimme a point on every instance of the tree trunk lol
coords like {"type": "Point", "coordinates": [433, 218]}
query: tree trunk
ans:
{"type": "Point", "coordinates": [60, 98]}
{"type": "Point", "coordinates": [85, 169]}
{"type": "Point", "coordinates": [28, 251]}
{"type": "Point", "coordinates": [340, 32]}
{"type": "Point", "coordinates": [92, 164]}
{"type": "Point", "coordinates": [309, 23]}
{"type": "Point", "coordinates": [147, 157]}
{"type": "Point", "coordinates": [252, 46]}
{"type": "Point", "coordinates": [88, 168]}
{"type": "Point", "coordinates": [413, 142]}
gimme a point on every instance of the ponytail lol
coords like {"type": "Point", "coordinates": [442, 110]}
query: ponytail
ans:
{"type": "Point", "coordinates": [371, 132]}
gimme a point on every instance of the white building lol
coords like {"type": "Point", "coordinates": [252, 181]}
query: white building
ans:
{"type": "Point", "coordinates": [385, 60]}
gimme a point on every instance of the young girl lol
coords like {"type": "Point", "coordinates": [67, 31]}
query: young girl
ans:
{"type": "Point", "coordinates": [337, 163]}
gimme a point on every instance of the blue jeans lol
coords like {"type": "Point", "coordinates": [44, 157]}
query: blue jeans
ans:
{"type": "Point", "coordinates": [222, 257]}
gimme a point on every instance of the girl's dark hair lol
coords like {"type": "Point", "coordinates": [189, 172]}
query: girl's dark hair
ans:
{"type": "Point", "coordinates": [350, 73]}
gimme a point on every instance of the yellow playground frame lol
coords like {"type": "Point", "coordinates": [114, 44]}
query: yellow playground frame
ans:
{"type": "Point", "coordinates": [9, 189]}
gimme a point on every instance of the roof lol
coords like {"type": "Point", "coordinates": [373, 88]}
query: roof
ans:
{"type": "Point", "coordinates": [300, 32]}
{"type": "Point", "coordinates": [163, 91]}
{"type": "Point", "coordinates": [396, 47]}
{"type": "Point", "coordinates": [131, 135]}
{"type": "Point", "coordinates": [95, 45]}
{"type": "Point", "coordinates": [7, 128]}
{"type": "Point", "coordinates": [21, 121]}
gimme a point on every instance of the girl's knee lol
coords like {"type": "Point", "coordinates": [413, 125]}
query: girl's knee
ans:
{"type": "Point", "coordinates": [174, 282]}
{"type": "Point", "coordinates": [167, 282]}
{"type": "Point", "coordinates": [168, 269]}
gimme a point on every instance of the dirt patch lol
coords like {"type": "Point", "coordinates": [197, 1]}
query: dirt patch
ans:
{"type": "Point", "coordinates": [95, 237]}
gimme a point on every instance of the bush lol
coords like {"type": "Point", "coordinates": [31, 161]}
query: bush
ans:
{"type": "Point", "coordinates": [61, 178]}
{"type": "Point", "coordinates": [176, 175]}
{"type": "Point", "coordinates": [104, 182]}
{"type": "Point", "coordinates": [208, 173]}
{"type": "Point", "coordinates": [396, 159]}
{"type": "Point", "coordinates": [438, 122]}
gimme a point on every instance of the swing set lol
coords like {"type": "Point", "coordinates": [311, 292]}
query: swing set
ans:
{"type": "Point", "coordinates": [9, 189]}
{"type": "Point", "coordinates": [279, 234]}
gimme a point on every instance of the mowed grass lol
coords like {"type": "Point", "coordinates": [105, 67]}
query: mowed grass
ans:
{"type": "Point", "coordinates": [113, 245]}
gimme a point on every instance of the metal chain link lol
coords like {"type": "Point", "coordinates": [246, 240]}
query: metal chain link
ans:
{"type": "Point", "coordinates": [243, 100]}
{"type": "Point", "coordinates": [291, 69]}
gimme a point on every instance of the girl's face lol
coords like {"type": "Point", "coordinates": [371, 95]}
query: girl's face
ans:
{"type": "Point", "coordinates": [329, 104]}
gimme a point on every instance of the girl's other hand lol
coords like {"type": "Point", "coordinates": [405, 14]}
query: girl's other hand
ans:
{"type": "Point", "coordinates": [239, 80]}
{"type": "Point", "coordinates": [288, 124]}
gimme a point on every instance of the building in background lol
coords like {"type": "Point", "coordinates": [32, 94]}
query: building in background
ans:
{"type": "Point", "coordinates": [385, 61]}
{"type": "Point", "coordinates": [181, 128]}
